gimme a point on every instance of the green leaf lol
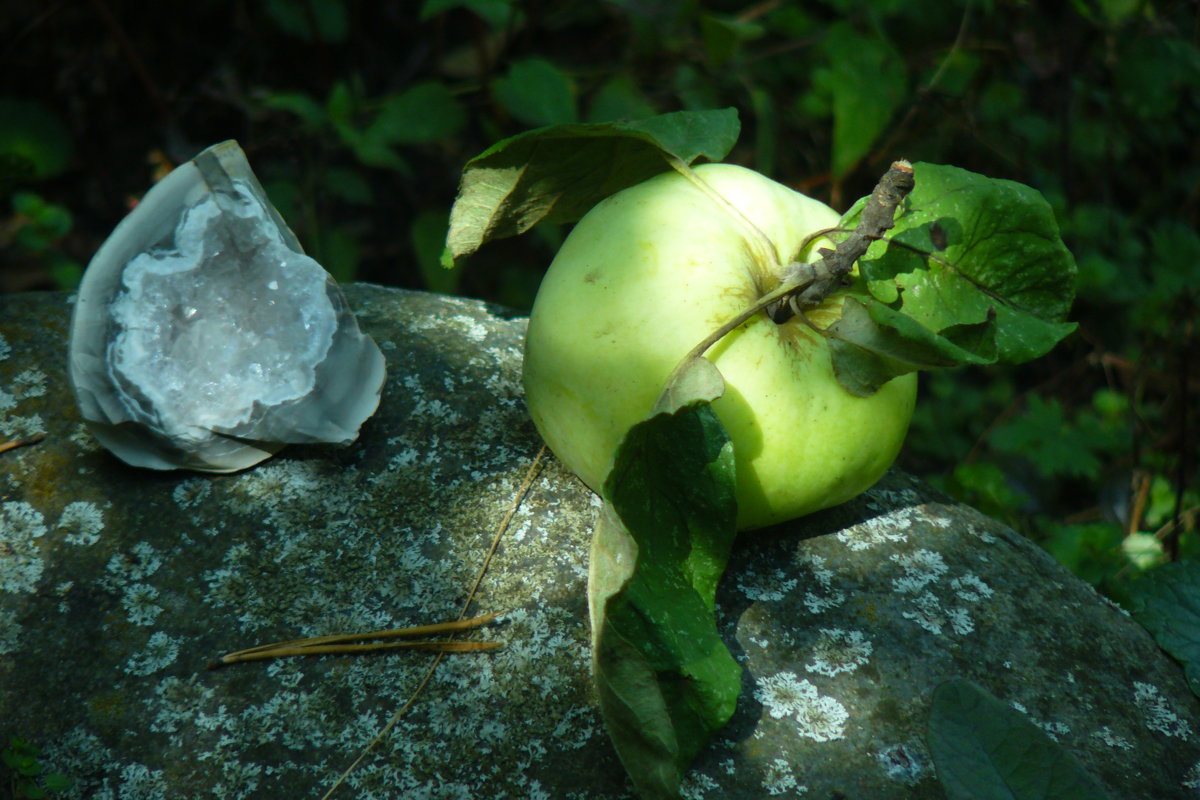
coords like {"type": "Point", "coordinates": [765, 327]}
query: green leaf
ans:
{"type": "Point", "coordinates": [558, 173]}
{"type": "Point", "coordinates": [868, 82]}
{"type": "Point", "coordinates": [870, 344]}
{"type": "Point", "coordinates": [310, 20]}
{"type": "Point", "coordinates": [426, 112]}
{"type": "Point", "coordinates": [428, 234]}
{"type": "Point", "coordinates": [33, 136]}
{"type": "Point", "coordinates": [619, 98]}
{"type": "Point", "coordinates": [1055, 445]}
{"type": "Point", "coordinates": [496, 13]}
{"type": "Point", "coordinates": [298, 103]}
{"type": "Point", "coordinates": [666, 681]}
{"type": "Point", "coordinates": [966, 247]}
{"type": "Point", "coordinates": [984, 749]}
{"type": "Point", "coordinates": [537, 93]}
{"type": "Point", "coordinates": [1166, 601]}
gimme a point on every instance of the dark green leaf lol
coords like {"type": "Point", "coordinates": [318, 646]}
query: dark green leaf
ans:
{"type": "Point", "coordinates": [1167, 603]}
{"type": "Point", "coordinates": [427, 112]}
{"type": "Point", "coordinates": [619, 98]}
{"type": "Point", "coordinates": [1000, 254]}
{"type": "Point", "coordinates": [428, 234]}
{"type": "Point", "coordinates": [558, 173]}
{"type": "Point", "coordinates": [348, 184]}
{"type": "Point", "coordinates": [496, 13]}
{"type": "Point", "coordinates": [309, 20]}
{"type": "Point", "coordinates": [985, 749]}
{"type": "Point", "coordinates": [665, 679]}
{"type": "Point", "coordinates": [299, 104]}
{"type": "Point", "coordinates": [868, 81]}
{"type": "Point", "coordinates": [870, 344]}
{"type": "Point", "coordinates": [34, 135]}
{"type": "Point", "coordinates": [537, 93]}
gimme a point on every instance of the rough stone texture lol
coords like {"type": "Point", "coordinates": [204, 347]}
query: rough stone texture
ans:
{"type": "Point", "coordinates": [118, 585]}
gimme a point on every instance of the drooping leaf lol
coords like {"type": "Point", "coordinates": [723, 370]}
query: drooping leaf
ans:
{"type": "Point", "coordinates": [871, 343]}
{"type": "Point", "coordinates": [1167, 603]}
{"type": "Point", "coordinates": [984, 749]}
{"type": "Point", "coordinates": [558, 173]}
{"type": "Point", "coordinates": [966, 247]}
{"type": "Point", "coordinates": [666, 681]}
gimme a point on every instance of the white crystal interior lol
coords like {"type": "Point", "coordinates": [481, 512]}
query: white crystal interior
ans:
{"type": "Point", "coordinates": [223, 317]}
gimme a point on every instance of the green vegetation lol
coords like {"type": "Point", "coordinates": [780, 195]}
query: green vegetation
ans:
{"type": "Point", "coordinates": [359, 118]}
{"type": "Point", "coordinates": [22, 776]}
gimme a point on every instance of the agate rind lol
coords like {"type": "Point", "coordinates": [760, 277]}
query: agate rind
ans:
{"type": "Point", "coordinates": [251, 291]}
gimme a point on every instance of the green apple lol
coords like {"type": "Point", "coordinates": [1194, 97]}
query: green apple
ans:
{"type": "Point", "coordinates": [648, 274]}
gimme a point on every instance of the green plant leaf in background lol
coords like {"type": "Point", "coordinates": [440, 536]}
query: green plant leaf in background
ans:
{"type": "Point", "coordinates": [967, 247]}
{"type": "Point", "coordinates": [1166, 601]}
{"type": "Point", "coordinates": [868, 81]}
{"type": "Point", "coordinates": [558, 173]}
{"type": "Point", "coordinates": [426, 112]}
{"type": "Point", "coordinates": [984, 749]}
{"type": "Point", "coordinates": [666, 681]}
{"type": "Point", "coordinates": [33, 137]}
{"type": "Point", "coordinates": [537, 93]}
{"type": "Point", "coordinates": [311, 20]}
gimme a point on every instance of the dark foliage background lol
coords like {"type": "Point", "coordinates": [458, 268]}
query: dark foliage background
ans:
{"type": "Point", "coordinates": [359, 115]}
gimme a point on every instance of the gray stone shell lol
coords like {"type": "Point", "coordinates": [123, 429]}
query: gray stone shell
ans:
{"type": "Point", "coordinates": [118, 585]}
{"type": "Point", "coordinates": [347, 380]}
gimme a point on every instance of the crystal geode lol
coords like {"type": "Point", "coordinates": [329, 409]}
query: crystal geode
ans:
{"type": "Point", "coordinates": [204, 338]}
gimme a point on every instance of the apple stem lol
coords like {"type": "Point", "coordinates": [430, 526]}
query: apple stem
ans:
{"type": "Point", "coordinates": [829, 273]}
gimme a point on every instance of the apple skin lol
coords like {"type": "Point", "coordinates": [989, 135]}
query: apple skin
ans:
{"type": "Point", "coordinates": [645, 276]}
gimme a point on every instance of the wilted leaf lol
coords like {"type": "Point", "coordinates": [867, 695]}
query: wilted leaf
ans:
{"type": "Point", "coordinates": [558, 173]}
{"type": "Point", "coordinates": [665, 679]}
{"type": "Point", "coordinates": [985, 749]}
{"type": "Point", "coordinates": [1000, 254]}
{"type": "Point", "coordinates": [1167, 603]}
{"type": "Point", "coordinates": [870, 344]}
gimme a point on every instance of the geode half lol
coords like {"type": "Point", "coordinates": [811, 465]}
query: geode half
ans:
{"type": "Point", "coordinates": [204, 338]}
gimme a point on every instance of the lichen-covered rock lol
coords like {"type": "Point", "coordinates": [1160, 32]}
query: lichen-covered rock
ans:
{"type": "Point", "coordinates": [118, 585]}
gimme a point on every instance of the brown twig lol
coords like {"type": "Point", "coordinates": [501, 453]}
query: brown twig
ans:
{"type": "Point", "coordinates": [24, 441]}
{"type": "Point", "coordinates": [817, 281]}
{"type": "Point", "coordinates": [351, 643]}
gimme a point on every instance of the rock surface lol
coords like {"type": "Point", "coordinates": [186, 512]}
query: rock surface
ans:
{"type": "Point", "coordinates": [118, 585]}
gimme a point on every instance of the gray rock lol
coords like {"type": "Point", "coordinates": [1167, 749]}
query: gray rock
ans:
{"type": "Point", "coordinates": [118, 585]}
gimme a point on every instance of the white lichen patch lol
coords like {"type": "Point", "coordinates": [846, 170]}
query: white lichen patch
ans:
{"type": "Point", "coordinates": [7, 402]}
{"type": "Point", "coordinates": [140, 563]}
{"type": "Point", "coordinates": [192, 492]}
{"type": "Point", "coordinates": [770, 586]}
{"type": "Point", "coordinates": [921, 568]}
{"type": "Point", "coordinates": [30, 383]}
{"type": "Point", "coordinates": [5, 349]}
{"type": "Point", "coordinates": [927, 612]}
{"type": "Point", "coordinates": [1191, 778]}
{"type": "Point", "coordinates": [81, 522]}
{"type": "Point", "coordinates": [161, 651]}
{"type": "Point", "coordinates": [139, 605]}
{"type": "Point", "coordinates": [971, 588]}
{"type": "Point", "coordinates": [21, 526]}
{"type": "Point", "coordinates": [1112, 739]}
{"type": "Point", "coordinates": [838, 651]}
{"type": "Point", "coordinates": [818, 717]}
{"type": "Point", "coordinates": [22, 427]}
{"type": "Point", "coordinates": [887, 528]}
{"type": "Point", "coordinates": [1157, 715]}
{"type": "Point", "coordinates": [781, 780]}
{"type": "Point", "coordinates": [823, 596]}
